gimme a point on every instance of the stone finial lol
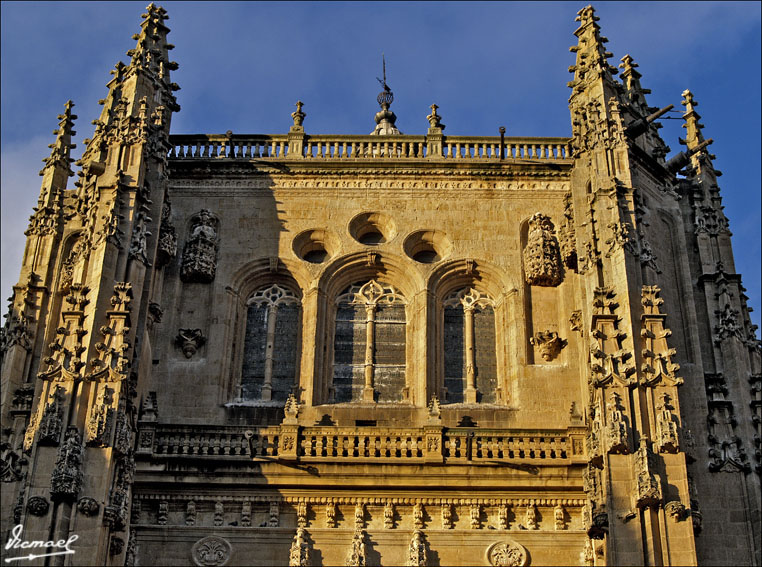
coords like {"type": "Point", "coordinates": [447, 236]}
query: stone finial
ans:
{"type": "Point", "coordinates": [60, 154]}
{"type": "Point", "coordinates": [385, 118]}
{"type": "Point", "coordinates": [435, 121]}
{"type": "Point", "coordinates": [693, 137]}
{"type": "Point", "coordinates": [298, 115]}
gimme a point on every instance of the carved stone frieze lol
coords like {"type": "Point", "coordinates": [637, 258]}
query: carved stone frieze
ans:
{"type": "Point", "coordinates": [542, 256]}
{"type": "Point", "coordinates": [211, 551]}
{"type": "Point", "coordinates": [219, 513]}
{"type": "Point", "coordinates": [389, 516]}
{"type": "Point", "coordinates": [274, 519]}
{"type": "Point", "coordinates": [246, 514]}
{"type": "Point", "coordinates": [199, 263]}
{"type": "Point", "coordinates": [447, 523]}
{"type": "Point", "coordinates": [530, 517]}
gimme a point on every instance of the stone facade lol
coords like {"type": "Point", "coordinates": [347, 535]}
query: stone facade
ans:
{"type": "Point", "coordinates": [294, 349]}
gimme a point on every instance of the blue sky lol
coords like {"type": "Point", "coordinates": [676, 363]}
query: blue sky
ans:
{"type": "Point", "coordinates": [244, 65]}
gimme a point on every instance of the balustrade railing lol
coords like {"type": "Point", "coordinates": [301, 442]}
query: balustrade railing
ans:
{"type": "Point", "coordinates": [284, 146]}
{"type": "Point", "coordinates": [364, 444]}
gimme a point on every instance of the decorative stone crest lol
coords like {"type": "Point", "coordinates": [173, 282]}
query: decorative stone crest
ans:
{"type": "Point", "coordinates": [416, 551]}
{"type": "Point", "coordinates": [190, 340]}
{"type": "Point", "coordinates": [200, 253]}
{"type": "Point", "coordinates": [548, 343]}
{"type": "Point", "coordinates": [211, 551]}
{"type": "Point", "coordinates": [542, 258]}
{"type": "Point", "coordinates": [66, 479]}
{"type": "Point", "coordinates": [506, 553]}
{"type": "Point", "coordinates": [88, 506]}
{"type": "Point", "coordinates": [37, 506]}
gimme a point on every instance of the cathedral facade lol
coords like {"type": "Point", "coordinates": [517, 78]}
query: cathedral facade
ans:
{"type": "Point", "coordinates": [390, 349]}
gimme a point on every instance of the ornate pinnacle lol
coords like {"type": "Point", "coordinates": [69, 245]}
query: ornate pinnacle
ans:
{"type": "Point", "coordinates": [592, 57]}
{"type": "Point", "coordinates": [693, 135]}
{"type": "Point", "coordinates": [60, 155]}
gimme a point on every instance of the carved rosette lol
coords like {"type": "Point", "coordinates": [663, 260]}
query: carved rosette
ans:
{"type": "Point", "coordinates": [211, 551]}
{"type": "Point", "coordinates": [200, 253]}
{"type": "Point", "coordinates": [506, 553]}
{"type": "Point", "coordinates": [542, 256]}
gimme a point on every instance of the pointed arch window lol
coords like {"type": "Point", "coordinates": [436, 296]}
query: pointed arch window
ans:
{"type": "Point", "coordinates": [470, 362]}
{"type": "Point", "coordinates": [369, 344]}
{"type": "Point", "coordinates": [270, 345]}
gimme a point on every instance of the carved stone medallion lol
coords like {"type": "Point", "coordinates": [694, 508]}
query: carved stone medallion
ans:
{"type": "Point", "coordinates": [506, 553]}
{"type": "Point", "coordinates": [211, 550]}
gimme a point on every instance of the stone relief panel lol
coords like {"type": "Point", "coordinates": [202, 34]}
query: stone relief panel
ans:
{"type": "Point", "coordinates": [542, 255]}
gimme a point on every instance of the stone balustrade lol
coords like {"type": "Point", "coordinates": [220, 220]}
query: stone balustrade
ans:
{"type": "Point", "coordinates": [286, 146]}
{"type": "Point", "coordinates": [366, 444]}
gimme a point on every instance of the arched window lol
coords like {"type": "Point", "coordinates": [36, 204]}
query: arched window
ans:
{"type": "Point", "coordinates": [270, 346]}
{"type": "Point", "coordinates": [369, 344]}
{"type": "Point", "coordinates": [470, 362]}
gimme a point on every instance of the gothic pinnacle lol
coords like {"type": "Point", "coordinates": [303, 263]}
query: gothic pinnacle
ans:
{"type": "Point", "coordinates": [592, 57]}
{"type": "Point", "coordinates": [60, 155]}
{"type": "Point", "coordinates": [693, 135]}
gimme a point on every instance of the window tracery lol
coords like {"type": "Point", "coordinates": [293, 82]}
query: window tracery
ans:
{"type": "Point", "coordinates": [369, 344]}
{"type": "Point", "coordinates": [270, 345]}
{"type": "Point", "coordinates": [470, 365]}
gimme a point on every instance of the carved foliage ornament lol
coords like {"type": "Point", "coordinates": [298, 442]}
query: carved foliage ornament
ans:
{"type": "Point", "coordinates": [211, 551]}
{"type": "Point", "coordinates": [542, 256]}
{"type": "Point", "coordinates": [37, 506]}
{"type": "Point", "coordinates": [506, 553]}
